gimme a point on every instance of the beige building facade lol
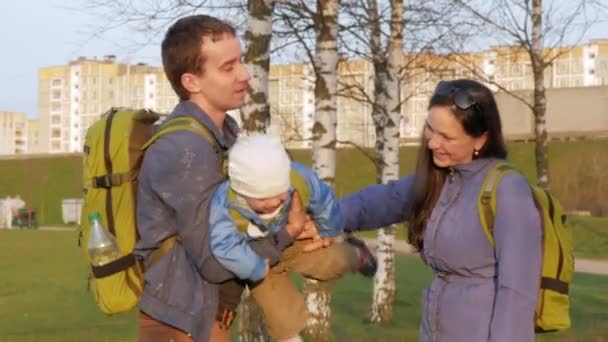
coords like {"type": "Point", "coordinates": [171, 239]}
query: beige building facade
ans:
{"type": "Point", "coordinates": [71, 97]}
{"type": "Point", "coordinates": [14, 136]}
{"type": "Point", "coordinates": [578, 73]}
{"type": "Point", "coordinates": [18, 134]}
{"type": "Point", "coordinates": [74, 96]}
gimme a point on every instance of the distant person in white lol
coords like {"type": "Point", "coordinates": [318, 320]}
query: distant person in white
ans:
{"type": "Point", "coordinates": [9, 208]}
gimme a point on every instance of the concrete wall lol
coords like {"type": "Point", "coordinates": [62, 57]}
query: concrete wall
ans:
{"type": "Point", "coordinates": [570, 112]}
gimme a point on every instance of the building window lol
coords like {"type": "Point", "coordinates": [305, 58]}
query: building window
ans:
{"type": "Point", "coordinates": [562, 68]}
{"type": "Point", "coordinates": [591, 71]}
{"type": "Point", "coordinates": [516, 69]}
{"type": "Point", "coordinates": [55, 106]}
{"type": "Point", "coordinates": [592, 55]}
{"type": "Point", "coordinates": [56, 95]}
{"type": "Point", "coordinates": [56, 83]}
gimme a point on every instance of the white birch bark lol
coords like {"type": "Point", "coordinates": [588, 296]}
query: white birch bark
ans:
{"type": "Point", "coordinates": [541, 150]}
{"type": "Point", "coordinates": [386, 114]}
{"type": "Point", "coordinates": [255, 115]}
{"type": "Point", "coordinates": [324, 146]}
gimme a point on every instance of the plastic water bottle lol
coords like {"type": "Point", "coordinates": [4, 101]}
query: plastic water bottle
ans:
{"type": "Point", "coordinates": [103, 247]}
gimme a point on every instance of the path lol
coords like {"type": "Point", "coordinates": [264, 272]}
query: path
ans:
{"type": "Point", "coordinates": [580, 265]}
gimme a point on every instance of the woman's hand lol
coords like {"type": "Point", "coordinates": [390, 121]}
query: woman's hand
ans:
{"type": "Point", "coordinates": [310, 232]}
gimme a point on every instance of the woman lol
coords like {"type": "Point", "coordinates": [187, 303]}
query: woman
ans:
{"type": "Point", "coordinates": [479, 293]}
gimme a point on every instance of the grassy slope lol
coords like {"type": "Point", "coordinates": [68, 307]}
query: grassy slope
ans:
{"type": "Point", "coordinates": [577, 171]}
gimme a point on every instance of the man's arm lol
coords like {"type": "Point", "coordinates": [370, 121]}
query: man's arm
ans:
{"type": "Point", "coordinates": [179, 174]}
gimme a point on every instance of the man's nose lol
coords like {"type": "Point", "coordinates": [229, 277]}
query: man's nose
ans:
{"type": "Point", "coordinates": [244, 74]}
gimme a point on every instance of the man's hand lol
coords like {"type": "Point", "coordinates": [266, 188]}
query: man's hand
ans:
{"type": "Point", "coordinates": [297, 217]}
{"type": "Point", "coordinates": [311, 233]}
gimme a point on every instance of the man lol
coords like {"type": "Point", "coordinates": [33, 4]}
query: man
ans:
{"type": "Point", "coordinates": [202, 60]}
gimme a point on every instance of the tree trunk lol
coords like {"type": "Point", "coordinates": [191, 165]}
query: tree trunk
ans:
{"type": "Point", "coordinates": [540, 101]}
{"type": "Point", "coordinates": [386, 113]}
{"type": "Point", "coordinates": [324, 146]}
{"type": "Point", "coordinates": [255, 115]}
{"type": "Point", "coordinates": [251, 326]}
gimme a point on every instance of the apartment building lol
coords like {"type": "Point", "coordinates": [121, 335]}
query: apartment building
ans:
{"type": "Point", "coordinates": [13, 133]}
{"type": "Point", "coordinates": [18, 134]}
{"type": "Point", "coordinates": [72, 97]}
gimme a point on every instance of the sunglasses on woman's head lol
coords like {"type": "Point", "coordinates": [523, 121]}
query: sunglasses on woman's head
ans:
{"type": "Point", "coordinates": [462, 99]}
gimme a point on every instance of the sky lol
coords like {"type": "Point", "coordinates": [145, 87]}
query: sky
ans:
{"type": "Point", "coordinates": [36, 34]}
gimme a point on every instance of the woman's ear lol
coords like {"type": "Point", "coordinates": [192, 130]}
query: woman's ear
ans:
{"type": "Point", "coordinates": [480, 141]}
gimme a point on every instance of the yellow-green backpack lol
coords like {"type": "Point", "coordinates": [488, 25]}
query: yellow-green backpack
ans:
{"type": "Point", "coordinates": [113, 153]}
{"type": "Point", "coordinates": [553, 306]}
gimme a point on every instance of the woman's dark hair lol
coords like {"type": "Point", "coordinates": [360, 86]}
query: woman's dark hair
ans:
{"type": "Point", "coordinates": [474, 106]}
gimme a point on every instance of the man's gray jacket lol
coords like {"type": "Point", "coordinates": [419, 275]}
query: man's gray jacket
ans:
{"type": "Point", "coordinates": [179, 174]}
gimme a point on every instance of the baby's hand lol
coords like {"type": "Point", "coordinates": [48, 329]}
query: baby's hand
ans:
{"type": "Point", "coordinates": [267, 267]}
{"type": "Point", "coordinates": [297, 217]}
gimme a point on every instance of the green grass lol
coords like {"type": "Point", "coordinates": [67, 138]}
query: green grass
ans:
{"type": "Point", "coordinates": [44, 297]}
{"type": "Point", "coordinates": [590, 236]}
{"type": "Point", "coordinates": [43, 183]}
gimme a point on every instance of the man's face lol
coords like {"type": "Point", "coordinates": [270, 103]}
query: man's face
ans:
{"type": "Point", "coordinates": [224, 79]}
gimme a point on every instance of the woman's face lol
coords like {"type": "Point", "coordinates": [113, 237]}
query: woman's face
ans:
{"type": "Point", "coordinates": [447, 139]}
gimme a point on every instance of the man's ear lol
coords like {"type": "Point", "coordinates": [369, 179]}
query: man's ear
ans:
{"type": "Point", "coordinates": [191, 82]}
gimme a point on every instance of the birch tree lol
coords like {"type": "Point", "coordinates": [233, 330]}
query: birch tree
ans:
{"type": "Point", "coordinates": [324, 145]}
{"type": "Point", "coordinates": [255, 114]}
{"type": "Point", "coordinates": [540, 29]}
{"type": "Point", "coordinates": [386, 114]}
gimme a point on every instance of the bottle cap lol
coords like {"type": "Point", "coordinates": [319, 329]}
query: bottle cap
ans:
{"type": "Point", "coordinates": [94, 217]}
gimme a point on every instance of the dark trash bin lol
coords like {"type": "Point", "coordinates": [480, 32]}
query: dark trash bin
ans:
{"type": "Point", "coordinates": [26, 218]}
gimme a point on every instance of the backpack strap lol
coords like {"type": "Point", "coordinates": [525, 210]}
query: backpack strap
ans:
{"type": "Point", "coordinates": [184, 123]}
{"type": "Point", "coordinates": [487, 197]}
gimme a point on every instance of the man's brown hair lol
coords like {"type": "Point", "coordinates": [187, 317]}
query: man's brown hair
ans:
{"type": "Point", "coordinates": [181, 48]}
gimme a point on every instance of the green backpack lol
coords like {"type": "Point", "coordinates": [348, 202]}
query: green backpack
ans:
{"type": "Point", "coordinates": [113, 153]}
{"type": "Point", "coordinates": [553, 306]}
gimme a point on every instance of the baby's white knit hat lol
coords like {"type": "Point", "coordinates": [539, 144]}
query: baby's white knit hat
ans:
{"type": "Point", "coordinates": [258, 166]}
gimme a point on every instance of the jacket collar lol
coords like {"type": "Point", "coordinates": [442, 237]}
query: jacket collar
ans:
{"type": "Point", "coordinates": [230, 128]}
{"type": "Point", "coordinates": [471, 168]}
